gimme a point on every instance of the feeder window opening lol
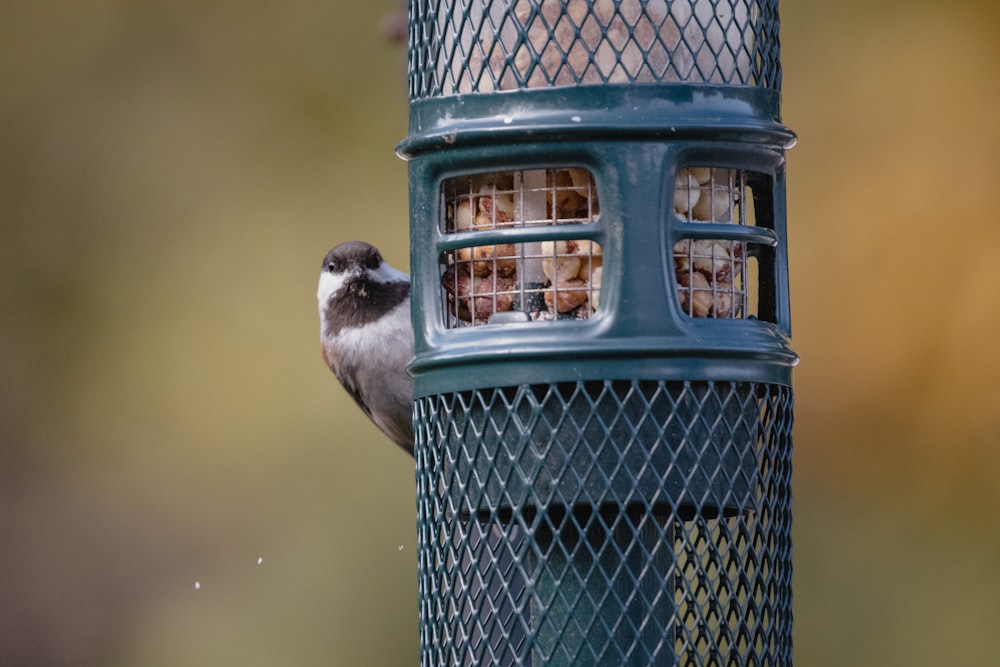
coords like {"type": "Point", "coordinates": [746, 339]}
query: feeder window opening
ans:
{"type": "Point", "coordinates": [544, 278]}
{"type": "Point", "coordinates": [717, 257]}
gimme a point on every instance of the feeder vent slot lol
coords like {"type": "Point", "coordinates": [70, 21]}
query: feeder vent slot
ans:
{"type": "Point", "coordinates": [722, 242]}
{"type": "Point", "coordinates": [533, 274]}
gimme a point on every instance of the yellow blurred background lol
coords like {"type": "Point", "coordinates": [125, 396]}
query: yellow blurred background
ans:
{"type": "Point", "coordinates": [183, 483]}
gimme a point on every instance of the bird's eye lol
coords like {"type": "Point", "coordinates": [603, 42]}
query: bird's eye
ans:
{"type": "Point", "coordinates": [330, 267]}
{"type": "Point", "coordinates": [373, 261]}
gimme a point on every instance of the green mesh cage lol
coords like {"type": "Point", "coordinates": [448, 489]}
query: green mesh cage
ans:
{"type": "Point", "coordinates": [485, 46]}
{"type": "Point", "coordinates": [658, 516]}
{"type": "Point", "coordinates": [602, 372]}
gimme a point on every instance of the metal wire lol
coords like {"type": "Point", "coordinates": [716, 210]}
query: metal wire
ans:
{"type": "Point", "coordinates": [607, 522]}
{"type": "Point", "coordinates": [713, 274]}
{"type": "Point", "coordinates": [561, 278]}
{"type": "Point", "coordinates": [542, 279]}
{"type": "Point", "coordinates": [470, 46]}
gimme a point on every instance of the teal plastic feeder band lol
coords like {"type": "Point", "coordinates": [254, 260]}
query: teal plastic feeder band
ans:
{"type": "Point", "coordinates": [602, 370]}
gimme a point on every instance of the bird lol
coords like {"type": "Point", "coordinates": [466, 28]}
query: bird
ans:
{"type": "Point", "coordinates": [367, 341]}
{"type": "Point", "coordinates": [366, 335]}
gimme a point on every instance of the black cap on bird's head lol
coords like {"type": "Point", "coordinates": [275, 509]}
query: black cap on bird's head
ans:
{"type": "Point", "coordinates": [350, 255]}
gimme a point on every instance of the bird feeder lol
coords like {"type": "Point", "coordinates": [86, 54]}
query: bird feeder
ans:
{"type": "Point", "coordinates": [602, 371]}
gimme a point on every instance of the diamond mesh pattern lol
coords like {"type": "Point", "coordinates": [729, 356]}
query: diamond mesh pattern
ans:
{"type": "Point", "coordinates": [605, 523]}
{"type": "Point", "coordinates": [469, 46]}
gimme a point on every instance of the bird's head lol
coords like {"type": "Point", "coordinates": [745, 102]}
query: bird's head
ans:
{"type": "Point", "coordinates": [357, 283]}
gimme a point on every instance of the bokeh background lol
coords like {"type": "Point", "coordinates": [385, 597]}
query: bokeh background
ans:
{"type": "Point", "coordinates": [183, 483]}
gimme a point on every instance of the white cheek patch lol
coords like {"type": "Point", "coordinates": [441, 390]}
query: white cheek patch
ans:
{"type": "Point", "coordinates": [329, 284]}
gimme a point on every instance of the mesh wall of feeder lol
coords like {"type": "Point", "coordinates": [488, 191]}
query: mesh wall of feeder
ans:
{"type": "Point", "coordinates": [602, 369]}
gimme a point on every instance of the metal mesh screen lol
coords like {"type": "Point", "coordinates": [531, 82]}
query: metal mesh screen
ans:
{"type": "Point", "coordinates": [605, 523]}
{"type": "Point", "coordinates": [719, 276]}
{"type": "Point", "coordinates": [477, 46]}
{"type": "Point", "coordinates": [540, 279]}
{"type": "Point", "coordinates": [722, 240]}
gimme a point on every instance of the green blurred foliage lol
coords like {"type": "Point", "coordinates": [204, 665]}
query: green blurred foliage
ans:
{"type": "Point", "coordinates": [171, 174]}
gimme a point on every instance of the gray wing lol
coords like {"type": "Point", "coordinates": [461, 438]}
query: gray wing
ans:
{"type": "Point", "coordinates": [400, 431]}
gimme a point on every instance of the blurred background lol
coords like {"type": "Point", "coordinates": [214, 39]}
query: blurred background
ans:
{"type": "Point", "coordinates": [182, 482]}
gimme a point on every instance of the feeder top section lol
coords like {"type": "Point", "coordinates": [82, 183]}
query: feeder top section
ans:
{"type": "Point", "coordinates": [485, 46]}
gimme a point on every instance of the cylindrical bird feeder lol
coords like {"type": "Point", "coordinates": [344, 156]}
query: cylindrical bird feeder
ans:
{"type": "Point", "coordinates": [602, 372]}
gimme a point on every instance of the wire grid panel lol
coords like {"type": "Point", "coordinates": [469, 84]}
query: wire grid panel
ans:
{"type": "Point", "coordinates": [605, 523]}
{"type": "Point", "coordinates": [481, 46]}
{"type": "Point", "coordinates": [542, 279]}
{"type": "Point", "coordinates": [720, 277]}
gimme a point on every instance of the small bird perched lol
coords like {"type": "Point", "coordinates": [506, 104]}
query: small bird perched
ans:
{"type": "Point", "coordinates": [367, 336]}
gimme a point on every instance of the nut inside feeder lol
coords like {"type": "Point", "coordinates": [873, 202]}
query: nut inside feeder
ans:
{"type": "Point", "coordinates": [543, 279]}
{"type": "Point", "coordinates": [716, 277]}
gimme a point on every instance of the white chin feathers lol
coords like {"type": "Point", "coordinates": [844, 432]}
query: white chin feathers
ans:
{"type": "Point", "coordinates": [329, 284]}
